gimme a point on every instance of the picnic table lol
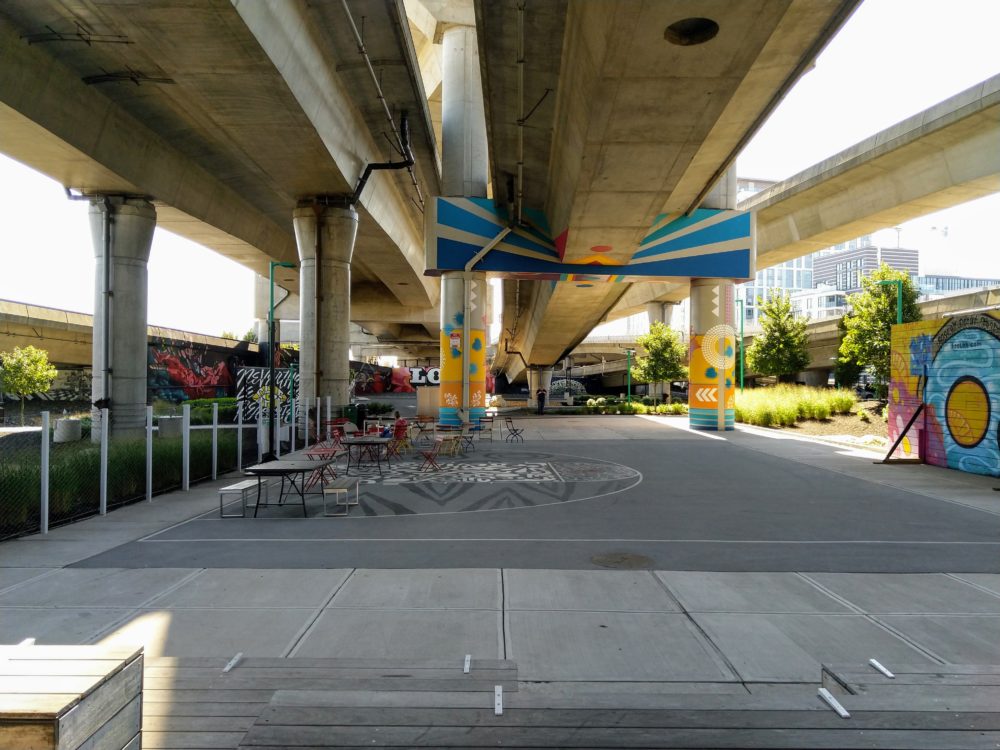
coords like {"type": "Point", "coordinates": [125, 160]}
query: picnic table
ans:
{"type": "Point", "coordinates": [288, 470]}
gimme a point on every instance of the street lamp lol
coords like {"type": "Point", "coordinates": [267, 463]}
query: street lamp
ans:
{"type": "Point", "coordinates": [628, 371]}
{"type": "Point", "coordinates": [899, 296]}
{"type": "Point", "coordinates": [272, 429]}
{"type": "Point", "coordinates": [740, 302]}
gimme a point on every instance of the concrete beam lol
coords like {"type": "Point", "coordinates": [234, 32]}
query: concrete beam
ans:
{"type": "Point", "coordinates": [939, 158]}
{"type": "Point", "coordinates": [58, 125]}
{"type": "Point", "coordinates": [287, 34]}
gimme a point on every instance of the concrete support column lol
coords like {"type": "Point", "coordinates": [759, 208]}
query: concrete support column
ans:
{"type": "Point", "coordinates": [464, 172]}
{"type": "Point", "coordinates": [122, 232]}
{"type": "Point", "coordinates": [539, 378]}
{"type": "Point", "coordinates": [464, 154]}
{"type": "Point", "coordinates": [712, 379]}
{"type": "Point", "coordinates": [325, 240]}
{"type": "Point", "coordinates": [463, 346]}
{"type": "Point", "coordinates": [712, 361]}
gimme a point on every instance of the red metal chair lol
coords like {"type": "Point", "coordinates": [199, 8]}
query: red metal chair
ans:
{"type": "Point", "coordinates": [430, 456]}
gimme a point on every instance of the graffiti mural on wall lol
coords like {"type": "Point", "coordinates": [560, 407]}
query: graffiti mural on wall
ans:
{"type": "Point", "coordinates": [179, 371]}
{"type": "Point", "coordinates": [253, 391]}
{"type": "Point", "coordinates": [953, 366]}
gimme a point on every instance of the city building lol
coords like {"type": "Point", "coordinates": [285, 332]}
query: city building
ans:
{"type": "Point", "coordinates": [934, 285]}
{"type": "Point", "coordinates": [844, 269]}
{"type": "Point", "coordinates": [822, 303]}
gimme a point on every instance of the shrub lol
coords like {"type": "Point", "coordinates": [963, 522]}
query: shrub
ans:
{"type": "Point", "coordinates": [784, 405]}
{"type": "Point", "coordinates": [648, 401]}
{"type": "Point", "coordinates": [376, 408]}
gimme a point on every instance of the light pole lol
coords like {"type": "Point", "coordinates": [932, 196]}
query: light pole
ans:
{"type": "Point", "coordinates": [899, 296]}
{"type": "Point", "coordinates": [272, 430]}
{"type": "Point", "coordinates": [628, 372]}
{"type": "Point", "coordinates": [740, 302]}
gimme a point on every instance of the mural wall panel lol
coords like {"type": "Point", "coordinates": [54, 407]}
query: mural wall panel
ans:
{"type": "Point", "coordinates": [953, 366]}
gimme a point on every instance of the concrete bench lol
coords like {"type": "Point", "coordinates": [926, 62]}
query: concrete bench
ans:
{"type": "Point", "coordinates": [242, 489]}
{"type": "Point", "coordinates": [340, 490]}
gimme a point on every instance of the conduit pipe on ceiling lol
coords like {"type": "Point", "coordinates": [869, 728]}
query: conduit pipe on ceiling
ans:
{"type": "Point", "coordinates": [520, 110]}
{"type": "Point", "coordinates": [403, 149]}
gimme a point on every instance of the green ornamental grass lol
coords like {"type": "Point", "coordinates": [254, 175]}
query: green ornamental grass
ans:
{"type": "Point", "coordinates": [784, 405]}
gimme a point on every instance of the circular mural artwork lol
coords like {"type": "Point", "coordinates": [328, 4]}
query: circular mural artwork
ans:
{"type": "Point", "coordinates": [967, 411]}
{"type": "Point", "coordinates": [718, 346]}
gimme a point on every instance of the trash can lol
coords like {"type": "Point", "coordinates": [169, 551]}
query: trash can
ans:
{"type": "Point", "coordinates": [350, 413]}
{"type": "Point", "coordinates": [360, 413]}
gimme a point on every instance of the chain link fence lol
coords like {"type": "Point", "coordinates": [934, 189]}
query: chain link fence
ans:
{"type": "Point", "coordinates": [20, 484]}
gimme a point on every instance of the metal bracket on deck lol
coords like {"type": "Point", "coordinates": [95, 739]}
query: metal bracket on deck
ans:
{"type": "Point", "coordinates": [498, 700]}
{"type": "Point", "coordinates": [833, 703]}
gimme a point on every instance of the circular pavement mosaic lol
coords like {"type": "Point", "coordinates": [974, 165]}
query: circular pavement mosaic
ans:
{"type": "Point", "coordinates": [488, 480]}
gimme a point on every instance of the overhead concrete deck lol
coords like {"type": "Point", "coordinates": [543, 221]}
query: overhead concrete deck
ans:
{"type": "Point", "coordinates": [236, 112]}
{"type": "Point", "coordinates": [636, 127]}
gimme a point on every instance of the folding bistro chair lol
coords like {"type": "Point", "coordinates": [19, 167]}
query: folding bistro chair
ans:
{"type": "Point", "coordinates": [513, 433]}
{"type": "Point", "coordinates": [430, 456]}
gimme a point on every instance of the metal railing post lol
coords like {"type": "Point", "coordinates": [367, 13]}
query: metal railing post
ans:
{"type": "Point", "coordinates": [186, 447]}
{"type": "Point", "coordinates": [260, 436]}
{"type": "Point", "coordinates": [328, 419]}
{"type": "Point", "coordinates": [44, 509]}
{"type": "Point", "coordinates": [239, 435]}
{"type": "Point", "coordinates": [276, 433]}
{"type": "Point", "coordinates": [215, 440]}
{"type": "Point", "coordinates": [105, 430]}
{"type": "Point", "coordinates": [149, 454]}
{"type": "Point", "coordinates": [293, 425]}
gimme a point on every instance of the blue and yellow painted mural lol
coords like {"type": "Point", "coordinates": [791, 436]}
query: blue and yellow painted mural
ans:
{"type": "Point", "coordinates": [710, 243]}
{"type": "Point", "coordinates": [952, 366]}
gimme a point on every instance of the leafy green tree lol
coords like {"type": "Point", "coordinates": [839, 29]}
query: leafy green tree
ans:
{"type": "Point", "coordinates": [26, 371]}
{"type": "Point", "coordinates": [846, 372]}
{"type": "Point", "coordinates": [229, 335]}
{"type": "Point", "coordinates": [664, 360]}
{"type": "Point", "coordinates": [780, 348]}
{"type": "Point", "coordinates": [251, 336]}
{"type": "Point", "coordinates": [873, 313]}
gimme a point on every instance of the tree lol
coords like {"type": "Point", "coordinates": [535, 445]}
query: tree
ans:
{"type": "Point", "coordinates": [846, 372]}
{"type": "Point", "coordinates": [664, 360]}
{"type": "Point", "coordinates": [229, 335]}
{"type": "Point", "coordinates": [26, 371]}
{"type": "Point", "coordinates": [780, 348]}
{"type": "Point", "coordinates": [250, 336]}
{"type": "Point", "coordinates": [873, 312]}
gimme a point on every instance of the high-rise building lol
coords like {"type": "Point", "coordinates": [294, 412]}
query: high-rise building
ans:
{"type": "Point", "coordinates": [844, 269]}
{"type": "Point", "coordinates": [934, 284]}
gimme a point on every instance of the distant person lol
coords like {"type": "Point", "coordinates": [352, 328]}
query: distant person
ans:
{"type": "Point", "coordinates": [540, 397]}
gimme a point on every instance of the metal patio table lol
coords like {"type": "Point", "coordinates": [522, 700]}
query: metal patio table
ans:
{"type": "Point", "coordinates": [370, 446]}
{"type": "Point", "coordinates": [288, 471]}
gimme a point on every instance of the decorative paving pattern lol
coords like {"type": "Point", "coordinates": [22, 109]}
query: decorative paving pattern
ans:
{"type": "Point", "coordinates": [408, 472]}
{"type": "Point", "coordinates": [488, 479]}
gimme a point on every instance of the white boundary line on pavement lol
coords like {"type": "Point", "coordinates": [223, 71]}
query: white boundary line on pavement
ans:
{"type": "Point", "coordinates": [670, 422]}
{"type": "Point", "coordinates": [300, 540]}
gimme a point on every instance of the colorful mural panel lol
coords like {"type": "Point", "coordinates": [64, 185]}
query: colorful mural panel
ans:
{"type": "Point", "coordinates": [180, 371]}
{"type": "Point", "coordinates": [711, 374]}
{"type": "Point", "coordinates": [710, 243]}
{"type": "Point", "coordinates": [953, 367]}
{"type": "Point", "coordinates": [253, 391]}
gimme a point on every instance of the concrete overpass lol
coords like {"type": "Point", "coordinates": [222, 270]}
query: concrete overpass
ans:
{"type": "Point", "coordinates": [939, 158]}
{"type": "Point", "coordinates": [579, 133]}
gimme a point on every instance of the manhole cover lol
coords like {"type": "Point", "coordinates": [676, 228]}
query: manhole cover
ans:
{"type": "Point", "coordinates": [622, 561]}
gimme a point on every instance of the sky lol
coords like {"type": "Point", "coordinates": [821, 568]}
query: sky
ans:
{"type": "Point", "coordinates": [892, 59]}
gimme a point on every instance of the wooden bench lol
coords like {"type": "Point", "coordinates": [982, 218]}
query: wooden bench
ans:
{"type": "Point", "coordinates": [340, 489]}
{"type": "Point", "coordinates": [69, 697]}
{"type": "Point", "coordinates": [241, 489]}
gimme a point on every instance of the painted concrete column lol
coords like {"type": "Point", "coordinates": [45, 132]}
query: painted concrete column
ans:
{"type": "Point", "coordinates": [122, 232]}
{"type": "Point", "coordinates": [325, 240]}
{"type": "Point", "coordinates": [539, 378]}
{"type": "Point", "coordinates": [464, 154]}
{"type": "Point", "coordinates": [464, 172]}
{"type": "Point", "coordinates": [712, 378]}
{"type": "Point", "coordinates": [712, 360]}
{"type": "Point", "coordinates": [463, 347]}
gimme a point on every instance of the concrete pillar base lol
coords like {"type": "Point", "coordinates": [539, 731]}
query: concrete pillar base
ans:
{"type": "Point", "coordinates": [122, 233]}
{"type": "Point", "coordinates": [712, 376]}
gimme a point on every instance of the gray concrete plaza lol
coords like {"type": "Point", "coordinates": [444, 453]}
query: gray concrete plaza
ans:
{"type": "Point", "coordinates": [754, 559]}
